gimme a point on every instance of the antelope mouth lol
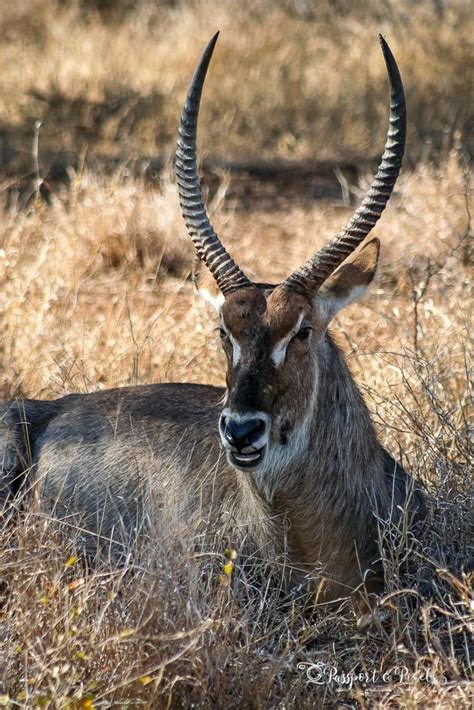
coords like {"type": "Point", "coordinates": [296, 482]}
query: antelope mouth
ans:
{"type": "Point", "coordinates": [248, 460]}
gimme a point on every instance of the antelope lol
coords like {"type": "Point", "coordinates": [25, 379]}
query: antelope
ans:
{"type": "Point", "coordinates": [287, 450]}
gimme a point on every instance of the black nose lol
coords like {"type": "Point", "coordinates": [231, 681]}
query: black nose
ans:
{"type": "Point", "coordinates": [242, 434]}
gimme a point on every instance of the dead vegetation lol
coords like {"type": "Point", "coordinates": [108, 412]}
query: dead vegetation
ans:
{"type": "Point", "coordinates": [94, 293]}
{"type": "Point", "coordinates": [290, 80]}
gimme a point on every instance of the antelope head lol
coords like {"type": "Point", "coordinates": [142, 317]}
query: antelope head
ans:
{"type": "Point", "coordinates": [273, 335]}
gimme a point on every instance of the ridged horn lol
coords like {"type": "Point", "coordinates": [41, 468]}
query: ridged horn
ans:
{"type": "Point", "coordinates": [314, 272]}
{"type": "Point", "coordinates": [228, 275]}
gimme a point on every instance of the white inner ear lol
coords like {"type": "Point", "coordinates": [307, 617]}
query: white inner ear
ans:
{"type": "Point", "coordinates": [215, 300]}
{"type": "Point", "coordinates": [329, 304]}
{"type": "Point", "coordinates": [279, 351]}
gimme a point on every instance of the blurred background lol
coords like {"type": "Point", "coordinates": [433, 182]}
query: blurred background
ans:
{"type": "Point", "coordinates": [299, 82]}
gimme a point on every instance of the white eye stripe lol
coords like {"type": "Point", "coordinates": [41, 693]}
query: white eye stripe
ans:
{"type": "Point", "coordinates": [279, 351]}
{"type": "Point", "coordinates": [236, 350]}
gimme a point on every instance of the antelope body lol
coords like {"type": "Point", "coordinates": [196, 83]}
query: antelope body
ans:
{"type": "Point", "coordinates": [286, 451]}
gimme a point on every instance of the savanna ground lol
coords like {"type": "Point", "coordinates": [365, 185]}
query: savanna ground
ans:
{"type": "Point", "coordinates": [95, 292]}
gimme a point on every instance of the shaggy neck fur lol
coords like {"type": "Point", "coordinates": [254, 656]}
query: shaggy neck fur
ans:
{"type": "Point", "coordinates": [321, 500]}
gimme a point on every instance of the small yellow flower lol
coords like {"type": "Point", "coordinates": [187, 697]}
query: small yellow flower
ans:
{"type": "Point", "coordinates": [228, 567]}
{"type": "Point", "coordinates": [230, 553]}
{"type": "Point", "coordinates": [71, 561]}
{"type": "Point", "coordinates": [145, 679]}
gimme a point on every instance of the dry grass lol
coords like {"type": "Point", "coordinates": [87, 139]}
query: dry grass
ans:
{"type": "Point", "coordinates": [94, 293]}
{"type": "Point", "coordinates": [292, 80]}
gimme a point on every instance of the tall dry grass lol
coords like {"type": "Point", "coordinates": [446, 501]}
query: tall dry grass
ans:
{"type": "Point", "coordinates": [94, 294]}
{"type": "Point", "coordinates": [292, 80]}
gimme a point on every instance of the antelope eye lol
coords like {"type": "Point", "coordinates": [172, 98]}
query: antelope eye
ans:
{"type": "Point", "coordinates": [303, 334]}
{"type": "Point", "coordinates": [222, 333]}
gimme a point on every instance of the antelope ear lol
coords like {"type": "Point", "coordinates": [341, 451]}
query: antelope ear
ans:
{"type": "Point", "coordinates": [349, 282]}
{"type": "Point", "coordinates": [206, 285]}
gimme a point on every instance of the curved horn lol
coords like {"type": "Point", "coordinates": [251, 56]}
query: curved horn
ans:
{"type": "Point", "coordinates": [221, 265]}
{"type": "Point", "coordinates": [312, 274]}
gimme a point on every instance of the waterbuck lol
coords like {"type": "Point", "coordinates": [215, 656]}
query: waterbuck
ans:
{"type": "Point", "coordinates": [287, 451]}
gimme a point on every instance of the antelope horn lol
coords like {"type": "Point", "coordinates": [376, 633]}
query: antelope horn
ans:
{"type": "Point", "coordinates": [221, 265]}
{"type": "Point", "coordinates": [311, 275]}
